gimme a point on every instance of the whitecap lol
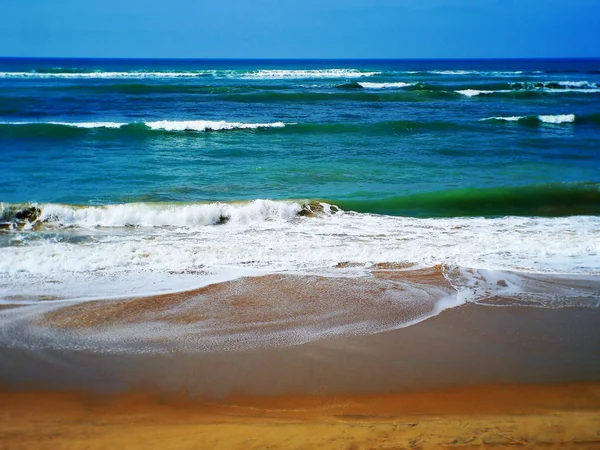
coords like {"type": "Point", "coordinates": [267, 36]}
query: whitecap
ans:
{"type": "Point", "coordinates": [558, 118]}
{"type": "Point", "coordinates": [208, 125]}
{"type": "Point", "coordinates": [370, 85]}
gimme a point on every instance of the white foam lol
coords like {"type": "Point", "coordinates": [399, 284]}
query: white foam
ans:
{"type": "Point", "coordinates": [558, 118]}
{"type": "Point", "coordinates": [161, 215]}
{"type": "Point", "coordinates": [473, 92]}
{"type": "Point", "coordinates": [579, 84]}
{"type": "Point", "coordinates": [255, 74]}
{"type": "Point", "coordinates": [168, 125]}
{"type": "Point", "coordinates": [506, 119]}
{"type": "Point", "coordinates": [269, 236]}
{"type": "Point", "coordinates": [581, 90]}
{"type": "Point", "coordinates": [550, 119]}
{"type": "Point", "coordinates": [476, 72]}
{"type": "Point", "coordinates": [72, 124]}
{"type": "Point", "coordinates": [453, 72]}
{"type": "Point", "coordinates": [305, 73]}
{"type": "Point", "coordinates": [107, 75]}
{"type": "Point", "coordinates": [399, 84]}
{"type": "Point", "coordinates": [207, 125]}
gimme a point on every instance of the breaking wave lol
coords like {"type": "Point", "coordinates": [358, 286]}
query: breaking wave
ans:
{"type": "Point", "coordinates": [36, 216]}
{"type": "Point", "coordinates": [66, 128]}
{"type": "Point", "coordinates": [551, 119]}
{"type": "Point", "coordinates": [261, 74]}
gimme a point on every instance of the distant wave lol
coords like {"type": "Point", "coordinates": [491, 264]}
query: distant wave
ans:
{"type": "Point", "coordinates": [476, 92]}
{"type": "Point", "coordinates": [263, 74]}
{"type": "Point", "coordinates": [554, 119]}
{"type": "Point", "coordinates": [350, 88]}
{"type": "Point", "coordinates": [208, 125]}
{"type": "Point", "coordinates": [32, 130]}
{"type": "Point", "coordinates": [346, 92]}
{"type": "Point", "coordinates": [307, 73]}
{"type": "Point", "coordinates": [550, 87]}
{"type": "Point", "coordinates": [108, 75]}
{"type": "Point", "coordinates": [164, 125]}
{"type": "Point", "coordinates": [457, 72]}
{"type": "Point", "coordinates": [370, 85]}
{"type": "Point", "coordinates": [373, 85]}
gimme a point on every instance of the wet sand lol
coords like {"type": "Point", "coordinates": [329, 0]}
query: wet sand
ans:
{"type": "Point", "coordinates": [471, 377]}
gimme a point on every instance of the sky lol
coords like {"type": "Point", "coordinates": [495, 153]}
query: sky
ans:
{"type": "Point", "coordinates": [300, 28]}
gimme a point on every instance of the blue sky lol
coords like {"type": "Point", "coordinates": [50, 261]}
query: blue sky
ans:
{"type": "Point", "coordinates": [300, 29]}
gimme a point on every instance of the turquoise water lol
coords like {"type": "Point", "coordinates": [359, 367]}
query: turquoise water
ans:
{"type": "Point", "coordinates": [129, 177]}
{"type": "Point", "coordinates": [417, 134]}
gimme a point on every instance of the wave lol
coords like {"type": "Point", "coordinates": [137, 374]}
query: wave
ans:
{"type": "Point", "coordinates": [260, 74]}
{"type": "Point", "coordinates": [389, 85]}
{"type": "Point", "coordinates": [132, 248]}
{"type": "Point", "coordinates": [208, 125]}
{"type": "Point", "coordinates": [106, 75]}
{"type": "Point", "coordinates": [353, 91]}
{"type": "Point", "coordinates": [455, 72]}
{"type": "Point", "coordinates": [345, 93]}
{"type": "Point", "coordinates": [548, 200]}
{"type": "Point", "coordinates": [65, 129]}
{"type": "Point", "coordinates": [551, 119]}
{"type": "Point", "coordinates": [35, 130]}
{"type": "Point", "coordinates": [142, 88]}
{"type": "Point", "coordinates": [373, 85]}
{"type": "Point", "coordinates": [265, 74]}
{"type": "Point", "coordinates": [522, 89]}
{"type": "Point", "coordinates": [544, 200]}
{"type": "Point", "coordinates": [555, 119]}
{"type": "Point", "coordinates": [475, 92]}
{"type": "Point", "coordinates": [37, 216]}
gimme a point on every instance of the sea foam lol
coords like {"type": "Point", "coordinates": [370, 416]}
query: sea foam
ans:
{"type": "Point", "coordinates": [207, 125]}
{"type": "Point", "coordinates": [475, 92]}
{"type": "Point", "coordinates": [549, 119]}
{"type": "Point", "coordinates": [166, 125]}
{"type": "Point", "coordinates": [161, 215]}
{"type": "Point", "coordinates": [133, 241]}
{"type": "Point", "coordinates": [370, 85]}
{"type": "Point", "coordinates": [305, 73]}
{"type": "Point", "coordinates": [242, 74]}
{"type": "Point", "coordinates": [559, 118]}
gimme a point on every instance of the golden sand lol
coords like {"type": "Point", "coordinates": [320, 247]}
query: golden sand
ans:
{"type": "Point", "coordinates": [545, 417]}
{"type": "Point", "coordinates": [471, 377]}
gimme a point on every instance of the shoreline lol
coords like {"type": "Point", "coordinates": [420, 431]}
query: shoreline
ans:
{"type": "Point", "coordinates": [462, 346]}
{"type": "Point", "coordinates": [473, 376]}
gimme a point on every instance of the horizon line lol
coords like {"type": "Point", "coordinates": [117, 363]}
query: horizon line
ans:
{"type": "Point", "coordinates": [477, 58]}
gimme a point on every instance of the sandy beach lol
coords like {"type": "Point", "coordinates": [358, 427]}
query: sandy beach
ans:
{"type": "Point", "coordinates": [473, 376]}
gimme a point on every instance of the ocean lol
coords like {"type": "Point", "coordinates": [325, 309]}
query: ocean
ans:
{"type": "Point", "coordinates": [128, 178]}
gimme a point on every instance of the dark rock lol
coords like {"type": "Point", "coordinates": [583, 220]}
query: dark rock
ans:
{"type": "Point", "coordinates": [30, 214]}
